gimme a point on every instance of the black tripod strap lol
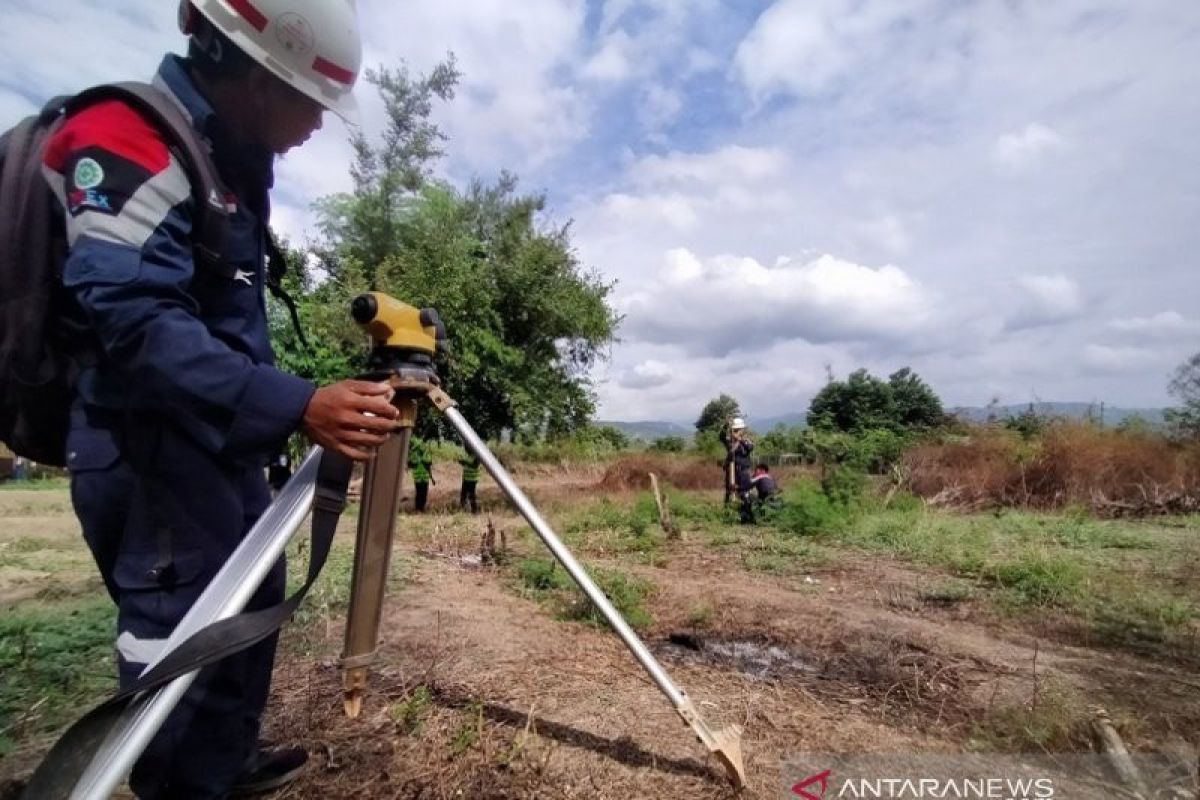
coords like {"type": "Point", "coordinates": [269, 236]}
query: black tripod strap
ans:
{"type": "Point", "coordinates": [66, 762]}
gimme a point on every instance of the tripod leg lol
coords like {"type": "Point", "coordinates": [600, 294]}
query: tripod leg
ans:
{"type": "Point", "coordinates": [725, 743]}
{"type": "Point", "coordinates": [382, 485]}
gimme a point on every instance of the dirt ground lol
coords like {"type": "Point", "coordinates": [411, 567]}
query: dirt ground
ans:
{"type": "Point", "coordinates": [480, 691]}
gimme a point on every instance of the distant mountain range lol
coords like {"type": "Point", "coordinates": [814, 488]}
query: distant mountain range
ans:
{"type": "Point", "coordinates": [1113, 415]}
{"type": "Point", "coordinates": [649, 430]}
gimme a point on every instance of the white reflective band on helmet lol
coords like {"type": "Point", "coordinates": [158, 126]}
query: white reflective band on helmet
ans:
{"type": "Point", "coordinates": [312, 45]}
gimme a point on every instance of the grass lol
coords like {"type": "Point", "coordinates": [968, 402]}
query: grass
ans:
{"type": "Point", "coordinates": [1109, 575]}
{"type": "Point", "coordinates": [36, 485]}
{"type": "Point", "coordinates": [1052, 720]}
{"type": "Point", "coordinates": [545, 581]}
{"type": "Point", "coordinates": [56, 659]}
{"type": "Point", "coordinates": [409, 714]}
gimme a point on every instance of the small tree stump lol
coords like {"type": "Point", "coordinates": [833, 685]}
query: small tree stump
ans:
{"type": "Point", "coordinates": [664, 510]}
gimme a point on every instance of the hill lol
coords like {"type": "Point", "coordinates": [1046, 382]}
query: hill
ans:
{"type": "Point", "coordinates": [1113, 415]}
{"type": "Point", "coordinates": [649, 430]}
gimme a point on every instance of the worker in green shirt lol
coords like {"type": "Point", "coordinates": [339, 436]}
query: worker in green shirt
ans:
{"type": "Point", "coordinates": [420, 464]}
{"type": "Point", "coordinates": [470, 479]}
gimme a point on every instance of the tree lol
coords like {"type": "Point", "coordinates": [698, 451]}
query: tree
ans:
{"type": "Point", "coordinates": [716, 413]}
{"type": "Point", "coordinates": [526, 320]}
{"type": "Point", "coordinates": [863, 402]}
{"type": "Point", "coordinates": [1184, 422]}
{"type": "Point", "coordinates": [860, 402]}
{"type": "Point", "coordinates": [917, 405]}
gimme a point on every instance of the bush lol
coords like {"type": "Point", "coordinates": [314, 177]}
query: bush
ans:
{"type": "Point", "coordinates": [545, 579]}
{"type": "Point", "coordinates": [668, 444]}
{"type": "Point", "coordinates": [1109, 472]}
{"type": "Point", "coordinates": [844, 486]}
{"type": "Point", "coordinates": [633, 472]}
{"type": "Point", "coordinates": [807, 510]}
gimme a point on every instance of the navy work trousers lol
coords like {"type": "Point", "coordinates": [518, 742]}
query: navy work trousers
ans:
{"type": "Point", "coordinates": [159, 532]}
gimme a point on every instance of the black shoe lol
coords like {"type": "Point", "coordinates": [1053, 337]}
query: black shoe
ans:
{"type": "Point", "coordinates": [272, 768]}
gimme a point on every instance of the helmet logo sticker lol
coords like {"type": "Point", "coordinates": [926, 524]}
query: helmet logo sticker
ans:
{"type": "Point", "coordinates": [88, 174]}
{"type": "Point", "coordinates": [295, 33]}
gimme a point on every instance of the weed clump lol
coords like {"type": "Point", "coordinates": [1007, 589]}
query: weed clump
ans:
{"type": "Point", "coordinates": [544, 580]}
{"type": "Point", "coordinates": [807, 509]}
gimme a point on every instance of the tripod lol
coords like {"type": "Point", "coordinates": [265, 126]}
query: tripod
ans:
{"type": "Point", "coordinates": [381, 490]}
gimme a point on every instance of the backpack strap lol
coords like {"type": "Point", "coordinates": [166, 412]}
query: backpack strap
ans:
{"type": "Point", "coordinates": [276, 269]}
{"type": "Point", "coordinates": [211, 223]}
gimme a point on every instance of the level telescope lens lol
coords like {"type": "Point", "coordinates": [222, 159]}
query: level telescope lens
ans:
{"type": "Point", "coordinates": [364, 308]}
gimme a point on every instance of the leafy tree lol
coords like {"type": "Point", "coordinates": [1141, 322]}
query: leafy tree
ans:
{"type": "Point", "coordinates": [863, 402]}
{"type": "Point", "coordinates": [717, 412]}
{"type": "Point", "coordinates": [1184, 421]}
{"type": "Point", "coordinates": [526, 320]}
{"type": "Point", "coordinates": [860, 402]}
{"type": "Point", "coordinates": [917, 406]}
{"type": "Point", "coordinates": [610, 436]}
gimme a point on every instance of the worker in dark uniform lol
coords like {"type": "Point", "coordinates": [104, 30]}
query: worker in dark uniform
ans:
{"type": "Point", "coordinates": [765, 497]}
{"type": "Point", "coordinates": [179, 406]}
{"type": "Point", "coordinates": [738, 447]}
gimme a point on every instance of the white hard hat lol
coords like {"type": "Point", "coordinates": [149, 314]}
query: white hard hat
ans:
{"type": "Point", "coordinates": [737, 423]}
{"type": "Point", "coordinates": [312, 45]}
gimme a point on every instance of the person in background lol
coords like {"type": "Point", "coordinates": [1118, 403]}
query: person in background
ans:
{"type": "Point", "coordinates": [738, 447]}
{"type": "Point", "coordinates": [420, 464]}
{"type": "Point", "coordinates": [470, 480]}
{"type": "Point", "coordinates": [765, 488]}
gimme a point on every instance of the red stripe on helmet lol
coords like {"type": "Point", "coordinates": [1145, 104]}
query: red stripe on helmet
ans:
{"type": "Point", "coordinates": [250, 13]}
{"type": "Point", "coordinates": [333, 71]}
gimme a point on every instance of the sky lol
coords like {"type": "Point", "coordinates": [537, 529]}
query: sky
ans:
{"type": "Point", "coordinates": [1003, 195]}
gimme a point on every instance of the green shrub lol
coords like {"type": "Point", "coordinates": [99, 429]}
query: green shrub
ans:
{"type": "Point", "coordinates": [844, 486]}
{"type": "Point", "coordinates": [1039, 579]}
{"type": "Point", "coordinates": [627, 593]}
{"type": "Point", "coordinates": [542, 575]}
{"type": "Point", "coordinates": [806, 510]}
{"type": "Point", "coordinates": [668, 444]}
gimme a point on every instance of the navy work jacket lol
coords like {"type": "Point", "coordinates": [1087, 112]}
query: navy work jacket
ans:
{"type": "Point", "coordinates": [172, 342]}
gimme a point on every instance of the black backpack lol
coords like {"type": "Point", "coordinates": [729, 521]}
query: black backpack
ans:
{"type": "Point", "coordinates": [37, 365]}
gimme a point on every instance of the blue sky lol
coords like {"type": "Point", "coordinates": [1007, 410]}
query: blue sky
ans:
{"type": "Point", "coordinates": [1002, 195]}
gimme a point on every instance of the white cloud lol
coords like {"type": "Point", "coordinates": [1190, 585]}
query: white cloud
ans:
{"type": "Point", "coordinates": [1103, 358]}
{"type": "Point", "coordinates": [1165, 325]}
{"type": "Point", "coordinates": [1022, 148]}
{"type": "Point", "coordinates": [612, 61]}
{"type": "Point", "coordinates": [889, 233]}
{"type": "Point", "coordinates": [1046, 300]}
{"type": "Point", "coordinates": [726, 304]}
{"type": "Point", "coordinates": [647, 375]}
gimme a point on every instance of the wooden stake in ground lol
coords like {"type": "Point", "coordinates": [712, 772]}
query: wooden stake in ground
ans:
{"type": "Point", "coordinates": [488, 552]}
{"type": "Point", "coordinates": [664, 510]}
{"type": "Point", "coordinates": [1118, 756]}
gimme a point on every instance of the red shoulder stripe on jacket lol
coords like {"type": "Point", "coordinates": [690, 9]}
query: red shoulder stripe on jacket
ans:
{"type": "Point", "coordinates": [112, 126]}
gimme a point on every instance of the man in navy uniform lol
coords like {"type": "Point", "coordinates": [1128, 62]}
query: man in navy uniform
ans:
{"type": "Point", "coordinates": [179, 405]}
